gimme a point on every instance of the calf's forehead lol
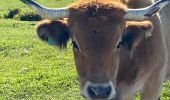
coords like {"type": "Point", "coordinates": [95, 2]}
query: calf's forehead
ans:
{"type": "Point", "coordinates": [97, 33]}
{"type": "Point", "coordinates": [86, 12]}
{"type": "Point", "coordinates": [96, 26]}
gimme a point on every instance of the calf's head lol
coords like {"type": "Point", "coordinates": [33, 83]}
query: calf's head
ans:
{"type": "Point", "coordinates": [97, 30]}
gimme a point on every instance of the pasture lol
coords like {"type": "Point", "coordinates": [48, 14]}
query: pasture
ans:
{"type": "Point", "coordinates": [32, 70]}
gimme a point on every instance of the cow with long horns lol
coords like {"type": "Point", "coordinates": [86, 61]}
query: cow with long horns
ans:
{"type": "Point", "coordinates": [116, 52]}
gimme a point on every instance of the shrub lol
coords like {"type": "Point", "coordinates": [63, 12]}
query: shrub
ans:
{"type": "Point", "coordinates": [11, 13]}
{"type": "Point", "coordinates": [28, 16]}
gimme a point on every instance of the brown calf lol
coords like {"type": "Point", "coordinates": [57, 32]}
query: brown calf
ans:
{"type": "Point", "coordinates": [114, 57]}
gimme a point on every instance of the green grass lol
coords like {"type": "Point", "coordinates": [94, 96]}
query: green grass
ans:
{"type": "Point", "coordinates": [7, 4]}
{"type": "Point", "coordinates": [32, 70]}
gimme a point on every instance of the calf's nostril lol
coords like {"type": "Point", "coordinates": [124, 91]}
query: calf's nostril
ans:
{"type": "Point", "coordinates": [108, 91]}
{"type": "Point", "coordinates": [92, 91]}
{"type": "Point", "coordinates": [99, 91]}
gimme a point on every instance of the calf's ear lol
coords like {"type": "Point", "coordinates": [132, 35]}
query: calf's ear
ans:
{"type": "Point", "coordinates": [135, 33]}
{"type": "Point", "coordinates": [54, 32]}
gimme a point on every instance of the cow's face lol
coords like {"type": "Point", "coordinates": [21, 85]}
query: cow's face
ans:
{"type": "Point", "coordinates": [97, 33]}
{"type": "Point", "coordinates": [96, 38]}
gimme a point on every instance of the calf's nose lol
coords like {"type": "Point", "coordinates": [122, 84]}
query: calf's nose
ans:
{"type": "Point", "coordinates": [99, 91]}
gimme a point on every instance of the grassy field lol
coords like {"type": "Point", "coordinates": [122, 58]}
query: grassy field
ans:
{"type": "Point", "coordinates": [32, 70]}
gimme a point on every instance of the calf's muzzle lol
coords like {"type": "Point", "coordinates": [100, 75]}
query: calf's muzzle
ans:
{"type": "Point", "coordinates": [99, 91]}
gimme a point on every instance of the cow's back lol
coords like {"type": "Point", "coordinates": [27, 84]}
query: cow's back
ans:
{"type": "Point", "coordinates": [165, 18]}
{"type": "Point", "coordinates": [165, 26]}
{"type": "Point", "coordinates": [147, 61]}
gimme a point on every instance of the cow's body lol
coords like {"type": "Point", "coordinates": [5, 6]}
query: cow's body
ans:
{"type": "Point", "coordinates": [96, 28]}
{"type": "Point", "coordinates": [146, 68]}
{"type": "Point", "coordinates": [165, 18]}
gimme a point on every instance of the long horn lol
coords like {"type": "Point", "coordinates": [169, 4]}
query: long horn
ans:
{"type": "Point", "coordinates": [48, 13]}
{"type": "Point", "coordinates": [145, 13]}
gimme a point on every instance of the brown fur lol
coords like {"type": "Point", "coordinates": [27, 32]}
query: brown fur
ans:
{"type": "Point", "coordinates": [146, 69]}
{"type": "Point", "coordinates": [90, 9]}
{"type": "Point", "coordinates": [165, 18]}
